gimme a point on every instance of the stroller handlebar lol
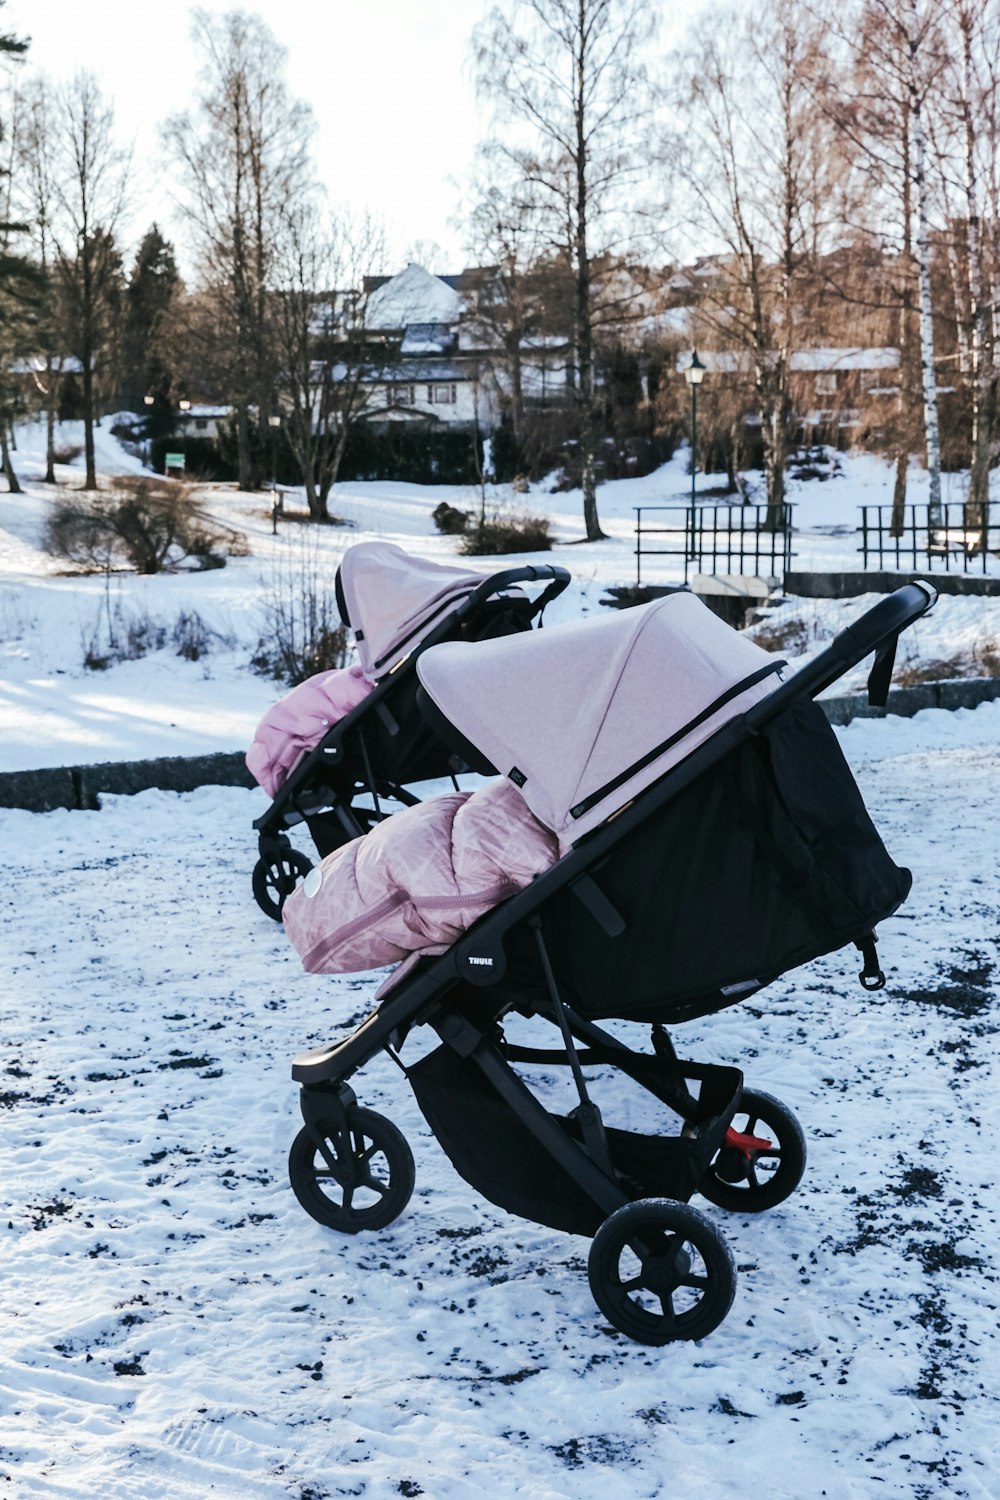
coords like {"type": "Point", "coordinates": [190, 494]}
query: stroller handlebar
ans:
{"type": "Point", "coordinates": [877, 630]}
{"type": "Point", "coordinates": [885, 620]}
{"type": "Point", "coordinates": [557, 578]}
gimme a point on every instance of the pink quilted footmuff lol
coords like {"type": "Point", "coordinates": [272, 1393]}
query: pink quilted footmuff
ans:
{"type": "Point", "coordinates": [417, 881]}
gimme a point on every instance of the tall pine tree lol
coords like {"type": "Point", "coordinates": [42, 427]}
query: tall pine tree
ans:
{"type": "Point", "coordinates": [147, 368]}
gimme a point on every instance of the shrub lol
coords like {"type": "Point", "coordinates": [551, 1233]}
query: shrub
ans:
{"type": "Point", "coordinates": [449, 520]}
{"type": "Point", "coordinates": [121, 635]}
{"type": "Point", "coordinates": [302, 631]}
{"type": "Point", "coordinates": [149, 524]}
{"type": "Point", "coordinates": [192, 637]}
{"type": "Point", "coordinates": [67, 454]}
{"type": "Point", "coordinates": [496, 534]}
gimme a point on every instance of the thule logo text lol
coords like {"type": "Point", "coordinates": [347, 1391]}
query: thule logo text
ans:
{"type": "Point", "coordinates": [483, 963]}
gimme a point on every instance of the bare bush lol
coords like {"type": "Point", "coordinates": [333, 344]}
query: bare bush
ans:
{"type": "Point", "coordinates": [449, 520]}
{"type": "Point", "coordinates": [146, 523]}
{"type": "Point", "coordinates": [68, 454]}
{"type": "Point", "coordinates": [193, 638]}
{"type": "Point", "coordinates": [121, 634]}
{"type": "Point", "coordinates": [497, 532]}
{"type": "Point", "coordinates": [302, 631]}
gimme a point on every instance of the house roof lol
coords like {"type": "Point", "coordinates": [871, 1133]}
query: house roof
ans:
{"type": "Point", "coordinates": [202, 411]}
{"type": "Point", "coordinates": [739, 361]}
{"type": "Point", "coordinates": [414, 296]}
{"type": "Point", "coordinates": [67, 364]}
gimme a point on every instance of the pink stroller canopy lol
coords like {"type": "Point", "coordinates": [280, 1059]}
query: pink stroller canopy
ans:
{"type": "Point", "coordinates": [584, 716]}
{"type": "Point", "coordinates": [393, 600]}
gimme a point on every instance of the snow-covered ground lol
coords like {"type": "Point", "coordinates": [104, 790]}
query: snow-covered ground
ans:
{"type": "Point", "coordinates": [173, 1325]}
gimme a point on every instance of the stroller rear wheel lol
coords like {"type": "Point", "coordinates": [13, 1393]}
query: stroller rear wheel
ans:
{"type": "Point", "coordinates": [660, 1271]}
{"type": "Point", "coordinates": [762, 1159]}
{"type": "Point", "coordinates": [275, 879]}
{"type": "Point", "coordinates": [353, 1179]}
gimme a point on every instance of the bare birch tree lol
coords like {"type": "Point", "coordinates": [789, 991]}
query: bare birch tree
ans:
{"type": "Point", "coordinates": [748, 158]}
{"type": "Point", "coordinates": [244, 154]}
{"type": "Point", "coordinates": [884, 112]}
{"type": "Point", "coordinates": [974, 28]}
{"type": "Point", "coordinates": [38, 197]}
{"type": "Point", "coordinates": [570, 90]}
{"type": "Point", "coordinates": [328, 372]}
{"type": "Point", "coordinates": [91, 175]}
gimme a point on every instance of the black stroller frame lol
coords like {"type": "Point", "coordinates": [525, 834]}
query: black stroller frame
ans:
{"type": "Point", "coordinates": [320, 791]}
{"type": "Point", "coordinates": [658, 1269]}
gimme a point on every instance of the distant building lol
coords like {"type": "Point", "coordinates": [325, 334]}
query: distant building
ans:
{"type": "Point", "coordinates": [433, 361]}
{"type": "Point", "coordinates": [832, 389]}
{"type": "Point", "coordinates": [202, 420]}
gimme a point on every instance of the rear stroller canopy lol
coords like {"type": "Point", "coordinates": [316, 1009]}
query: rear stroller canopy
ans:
{"type": "Point", "coordinates": [391, 600]}
{"type": "Point", "coordinates": [586, 715]}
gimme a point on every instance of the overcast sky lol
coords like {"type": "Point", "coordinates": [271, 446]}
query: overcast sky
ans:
{"type": "Point", "coordinates": [389, 83]}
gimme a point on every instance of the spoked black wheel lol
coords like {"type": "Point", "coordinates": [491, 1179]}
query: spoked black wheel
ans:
{"type": "Point", "coordinates": [661, 1271]}
{"type": "Point", "coordinates": [762, 1159]}
{"type": "Point", "coordinates": [356, 1179]}
{"type": "Point", "coordinates": [275, 879]}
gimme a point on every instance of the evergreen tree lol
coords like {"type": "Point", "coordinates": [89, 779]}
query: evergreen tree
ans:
{"type": "Point", "coordinates": [147, 368]}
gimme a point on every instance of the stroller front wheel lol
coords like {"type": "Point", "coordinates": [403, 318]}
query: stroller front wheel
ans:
{"type": "Point", "coordinates": [762, 1159]}
{"type": "Point", "coordinates": [661, 1271]}
{"type": "Point", "coordinates": [275, 879]}
{"type": "Point", "coordinates": [353, 1179]}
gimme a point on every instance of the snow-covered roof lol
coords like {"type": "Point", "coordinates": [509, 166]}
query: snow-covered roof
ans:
{"type": "Point", "coordinates": [67, 364]}
{"type": "Point", "coordinates": [218, 412]}
{"type": "Point", "coordinates": [411, 370]}
{"type": "Point", "coordinates": [427, 338]}
{"type": "Point", "coordinates": [737, 361]}
{"type": "Point", "coordinates": [414, 296]}
{"type": "Point", "coordinates": [845, 359]}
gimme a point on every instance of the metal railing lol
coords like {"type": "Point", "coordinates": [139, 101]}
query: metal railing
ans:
{"type": "Point", "coordinates": [952, 539]}
{"type": "Point", "coordinates": [716, 538]}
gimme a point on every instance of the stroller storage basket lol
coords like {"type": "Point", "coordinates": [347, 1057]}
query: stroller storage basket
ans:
{"type": "Point", "coordinates": [492, 1147]}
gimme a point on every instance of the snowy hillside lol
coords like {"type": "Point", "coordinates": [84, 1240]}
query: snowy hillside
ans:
{"type": "Point", "coordinates": [53, 711]}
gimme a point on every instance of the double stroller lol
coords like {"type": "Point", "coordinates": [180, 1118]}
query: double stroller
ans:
{"type": "Point", "coordinates": [346, 747]}
{"type": "Point", "coordinates": [708, 836]}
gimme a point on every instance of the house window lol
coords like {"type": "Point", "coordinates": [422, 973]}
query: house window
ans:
{"type": "Point", "coordinates": [201, 423]}
{"type": "Point", "coordinates": [826, 383]}
{"type": "Point", "coordinates": [442, 394]}
{"type": "Point", "coordinates": [403, 394]}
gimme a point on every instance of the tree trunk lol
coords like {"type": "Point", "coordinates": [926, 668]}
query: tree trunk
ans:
{"type": "Point", "coordinates": [977, 508]}
{"type": "Point", "coordinates": [928, 375]}
{"type": "Point", "coordinates": [50, 433]}
{"type": "Point", "coordinates": [906, 424]}
{"type": "Point", "coordinates": [244, 468]}
{"type": "Point", "coordinates": [775, 454]}
{"type": "Point", "coordinates": [88, 421]}
{"type": "Point", "coordinates": [8, 468]}
{"type": "Point", "coordinates": [584, 329]}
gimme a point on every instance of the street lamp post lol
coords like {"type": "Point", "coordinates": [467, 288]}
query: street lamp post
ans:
{"type": "Point", "coordinates": [184, 406]}
{"type": "Point", "coordinates": [694, 374]}
{"type": "Point", "coordinates": [274, 422]}
{"type": "Point", "coordinates": [149, 401]}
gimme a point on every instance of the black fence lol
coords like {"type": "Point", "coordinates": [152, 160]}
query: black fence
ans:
{"type": "Point", "coordinates": [715, 538]}
{"type": "Point", "coordinates": [949, 536]}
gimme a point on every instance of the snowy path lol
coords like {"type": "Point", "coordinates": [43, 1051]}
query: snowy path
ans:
{"type": "Point", "coordinates": [174, 1326]}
